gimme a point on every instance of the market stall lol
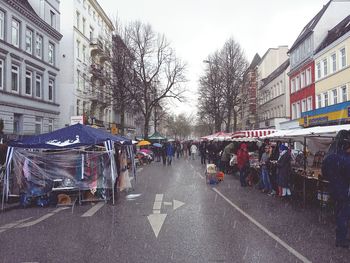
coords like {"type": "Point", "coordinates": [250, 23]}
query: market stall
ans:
{"type": "Point", "coordinates": [77, 157]}
{"type": "Point", "coordinates": [307, 161]}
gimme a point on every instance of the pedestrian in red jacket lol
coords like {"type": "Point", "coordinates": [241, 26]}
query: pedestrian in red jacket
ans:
{"type": "Point", "coordinates": [243, 163]}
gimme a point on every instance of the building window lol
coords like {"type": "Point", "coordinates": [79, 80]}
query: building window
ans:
{"type": "Point", "coordinates": [298, 110]}
{"type": "Point", "coordinates": [319, 101]}
{"type": "Point", "coordinates": [39, 46]}
{"type": "Point", "coordinates": [91, 33]}
{"type": "Point", "coordinates": [78, 49]}
{"type": "Point", "coordinates": [342, 58]}
{"type": "Point", "coordinates": [78, 107]}
{"type": "Point", "coordinates": [293, 85]}
{"type": "Point", "coordinates": [297, 83]}
{"type": "Point", "coordinates": [38, 85]}
{"type": "Point", "coordinates": [78, 80]}
{"type": "Point", "coordinates": [50, 128]}
{"type": "Point", "coordinates": [302, 80]}
{"type": "Point", "coordinates": [325, 99]}
{"type": "Point", "coordinates": [52, 19]}
{"type": "Point", "coordinates": [38, 125]}
{"type": "Point", "coordinates": [325, 67]}
{"type": "Point", "coordinates": [78, 20]}
{"type": "Point", "coordinates": [84, 26]}
{"type": "Point", "coordinates": [51, 53]}
{"type": "Point", "coordinates": [29, 82]}
{"type": "Point", "coordinates": [17, 123]}
{"type": "Point", "coordinates": [344, 93]}
{"type": "Point", "coordinates": [2, 25]}
{"type": "Point", "coordinates": [1, 74]}
{"type": "Point", "coordinates": [308, 76]}
{"type": "Point", "coordinates": [84, 53]}
{"type": "Point", "coordinates": [29, 41]}
{"type": "Point", "coordinates": [335, 96]}
{"type": "Point", "coordinates": [303, 105]}
{"type": "Point", "coordinates": [51, 89]}
{"type": "Point", "coordinates": [309, 104]}
{"type": "Point", "coordinates": [318, 66]}
{"type": "Point", "coordinates": [15, 32]}
{"type": "Point", "coordinates": [334, 62]}
{"type": "Point", "coordinates": [294, 111]}
{"type": "Point", "coordinates": [15, 78]}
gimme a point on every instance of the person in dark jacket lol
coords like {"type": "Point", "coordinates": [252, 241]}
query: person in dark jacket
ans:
{"type": "Point", "coordinates": [163, 153]}
{"type": "Point", "coordinates": [243, 163]}
{"type": "Point", "coordinates": [170, 152]}
{"type": "Point", "coordinates": [335, 168]}
{"type": "Point", "coordinates": [284, 171]}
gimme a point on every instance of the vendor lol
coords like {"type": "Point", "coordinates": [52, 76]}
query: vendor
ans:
{"type": "Point", "coordinates": [335, 168]}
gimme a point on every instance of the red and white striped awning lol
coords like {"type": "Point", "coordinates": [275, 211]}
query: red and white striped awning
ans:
{"type": "Point", "coordinates": [252, 133]}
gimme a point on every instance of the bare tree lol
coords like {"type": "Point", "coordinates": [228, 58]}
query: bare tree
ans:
{"type": "Point", "coordinates": [179, 126]}
{"type": "Point", "coordinates": [233, 65]}
{"type": "Point", "coordinates": [122, 61]}
{"type": "Point", "coordinates": [158, 73]}
{"type": "Point", "coordinates": [211, 99]}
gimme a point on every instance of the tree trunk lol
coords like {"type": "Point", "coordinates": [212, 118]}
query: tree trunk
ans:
{"type": "Point", "coordinates": [228, 123]}
{"type": "Point", "coordinates": [122, 122]}
{"type": "Point", "coordinates": [234, 121]}
{"type": "Point", "coordinates": [146, 127]}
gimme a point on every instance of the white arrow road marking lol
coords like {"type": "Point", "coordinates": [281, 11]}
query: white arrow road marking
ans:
{"type": "Point", "coordinates": [158, 203]}
{"type": "Point", "coordinates": [11, 225]}
{"type": "Point", "coordinates": [167, 203]}
{"type": "Point", "coordinates": [40, 219]}
{"type": "Point", "coordinates": [177, 204]}
{"type": "Point", "coordinates": [93, 210]}
{"type": "Point", "coordinates": [156, 221]}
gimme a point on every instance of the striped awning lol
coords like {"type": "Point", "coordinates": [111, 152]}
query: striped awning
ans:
{"type": "Point", "coordinates": [252, 133]}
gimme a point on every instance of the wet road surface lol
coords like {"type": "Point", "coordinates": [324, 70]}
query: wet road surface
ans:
{"type": "Point", "coordinates": [172, 216]}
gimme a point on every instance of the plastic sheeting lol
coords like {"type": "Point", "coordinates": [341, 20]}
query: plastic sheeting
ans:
{"type": "Point", "coordinates": [39, 172]}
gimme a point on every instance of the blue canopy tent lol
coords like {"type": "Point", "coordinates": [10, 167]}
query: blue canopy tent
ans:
{"type": "Point", "coordinates": [71, 137]}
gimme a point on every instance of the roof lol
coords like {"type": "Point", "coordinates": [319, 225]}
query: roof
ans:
{"type": "Point", "coordinates": [276, 72]}
{"type": "Point", "coordinates": [308, 29]}
{"type": "Point", "coordinates": [335, 33]}
{"type": "Point", "coordinates": [26, 5]}
{"type": "Point", "coordinates": [256, 60]}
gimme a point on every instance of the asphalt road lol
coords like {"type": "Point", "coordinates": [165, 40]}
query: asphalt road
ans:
{"type": "Point", "coordinates": [172, 216]}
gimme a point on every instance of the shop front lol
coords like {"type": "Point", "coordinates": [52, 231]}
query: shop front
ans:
{"type": "Point", "coordinates": [330, 115]}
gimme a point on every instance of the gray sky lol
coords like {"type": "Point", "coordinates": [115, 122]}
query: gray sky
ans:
{"type": "Point", "coordinates": [197, 28]}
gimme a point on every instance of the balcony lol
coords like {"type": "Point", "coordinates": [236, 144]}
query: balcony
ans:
{"type": "Point", "coordinates": [96, 46]}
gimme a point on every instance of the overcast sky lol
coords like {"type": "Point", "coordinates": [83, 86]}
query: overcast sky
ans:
{"type": "Point", "coordinates": [197, 28]}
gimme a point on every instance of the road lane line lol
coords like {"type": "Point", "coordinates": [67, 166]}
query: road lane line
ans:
{"type": "Point", "coordinates": [93, 210]}
{"type": "Point", "coordinates": [201, 176]}
{"type": "Point", "coordinates": [11, 225]}
{"type": "Point", "coordinates": [40, 219]}
{"type": "Point", "coordinates": [264, 229]}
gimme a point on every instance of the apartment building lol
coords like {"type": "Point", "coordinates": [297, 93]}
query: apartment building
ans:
{"type": "Point", "coordinates": [29, 66]}
{"type": "Point", "coordinates": [86, 46]}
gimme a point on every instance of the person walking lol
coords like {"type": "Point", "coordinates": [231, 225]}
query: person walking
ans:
{"type": "Point", "coordinates": [193, 151]}
{"type": "Point", "coordinates": [170, 152]}
{"type": "Point", "coordinates": [203, 152]}
{"type": "Point", "coordinates": [284, 171]}
{"type": "Point", "coordinates": [163, 153]}
{"type": "Point", "coordinates": [243, 163]}
{"type": "Point", "coordinates": [335, 168]}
